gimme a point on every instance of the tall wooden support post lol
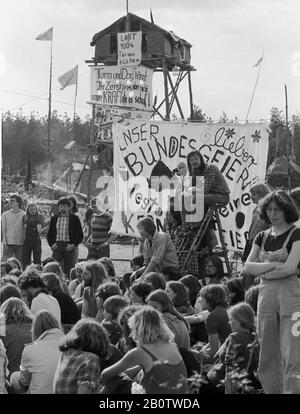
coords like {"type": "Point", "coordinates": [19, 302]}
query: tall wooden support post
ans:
{"type": "Point", "coordinates": [165, 70]}
{"type": "Point", "coordinates": [191, 95]}
{"type": "Point", "coordinates": [91, 153]}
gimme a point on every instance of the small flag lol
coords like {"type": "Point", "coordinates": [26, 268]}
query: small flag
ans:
{"type": "Point", "coordinates": [258, 62]}
{"type": "Point", "coordinates": [69, 78]}
{"type": "Point", "coordinates": [151, 16]}
{"type": "Point", "coordinates": [47, 35]}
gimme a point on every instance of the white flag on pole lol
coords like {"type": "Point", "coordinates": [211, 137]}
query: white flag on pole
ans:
{"type": "Point", "coordinates": [69, 78]}
{"type": "Point", "coordinates": [47, 35]}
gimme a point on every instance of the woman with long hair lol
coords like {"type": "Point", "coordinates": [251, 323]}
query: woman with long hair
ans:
{"type": "Point", "coordinates": [32, 242]}
{"type": "Point", "coordinates": [54, 267]}
{"type": "Point", "coordinates": [18, 319]}
{"type": "Point", "coordinates": [192, 286]}
{"type": "Point", "coordinates": [94, 275]}
{"type": "Point", "coordinates": [160, 301]}
{"type": "Point", "coordinates": [156, 353]}
{"type": "Point", "coordinates": [179, 297]}
{"type": "Point", "coordinates": [40, 358]}
{"type": "Point", "coordinates": [274, 258]}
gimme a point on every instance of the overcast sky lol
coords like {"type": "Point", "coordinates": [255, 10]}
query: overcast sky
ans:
{"type": "Point", "coordinates": [228, 37]}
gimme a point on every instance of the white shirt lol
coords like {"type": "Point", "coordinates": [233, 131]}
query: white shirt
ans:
{"type": "Point", "coordinates": [46, 302]}
{"type": "Point", "coordinates": [39, 361]}
{"type": "Point", "coordinates": [13, 227]}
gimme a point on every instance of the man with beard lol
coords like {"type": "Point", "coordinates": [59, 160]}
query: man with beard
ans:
{"type": "Point", "coordinates": [36, 294]}
{"type": "Point", "coordinates": [64, 234]}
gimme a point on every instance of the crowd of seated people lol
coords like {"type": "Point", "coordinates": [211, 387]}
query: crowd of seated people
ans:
{"type": "Point", "coordinates": [93, 331]}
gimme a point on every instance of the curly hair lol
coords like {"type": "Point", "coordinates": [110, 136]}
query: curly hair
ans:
{"type": "Point", "coordinates": [16, 311]}
{"type": "Point", "coordinates": [87, 335]}
{"type": "Point", "coordinates": [141, 289]}
{"type": "Point", "coordinates": [215, 295]}
{"type": "Point", "coordinates": [114, 304]}
{"type": "Point", "coordinates": [283, 201]}
{"type": "Point", "coordinates": [106, 290]}
{"type": "Point", "coordinates": [31, 279]}
{"type": "Point", "coordinates": [147, 327]}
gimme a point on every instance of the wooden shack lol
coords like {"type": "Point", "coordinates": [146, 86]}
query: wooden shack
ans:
{"type": "Point", "coordinates": [157, 44]}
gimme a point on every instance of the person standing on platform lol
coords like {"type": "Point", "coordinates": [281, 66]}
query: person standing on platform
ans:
{"type": "Point", "coordinates": [64, 234]}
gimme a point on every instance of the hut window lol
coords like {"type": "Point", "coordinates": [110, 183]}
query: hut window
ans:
{"type": "Point", "coordinates": [113, 43]}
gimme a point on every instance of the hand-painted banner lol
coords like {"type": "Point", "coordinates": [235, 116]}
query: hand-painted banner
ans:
{"type": "Point", "coordinates": [127, 87]}
{"type": "Point", "coordinates": [146, 149]}
{"type": "Point", "coordinates": [129, 48]}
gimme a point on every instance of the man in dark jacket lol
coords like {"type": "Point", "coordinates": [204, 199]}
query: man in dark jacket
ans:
{"type": "Point", "coordinates": [64, 234]}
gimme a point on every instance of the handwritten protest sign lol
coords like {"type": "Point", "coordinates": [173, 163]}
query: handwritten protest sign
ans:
{"type": "Point", "coordinates": [127, 87]}
{"type": "Point", "coordinates": [129, 48]}
{"type": "Point", "coordinates": [144, 149]}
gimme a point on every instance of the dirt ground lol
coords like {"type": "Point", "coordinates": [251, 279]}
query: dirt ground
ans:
{"type": "Point", "coordinates": [118, 253]}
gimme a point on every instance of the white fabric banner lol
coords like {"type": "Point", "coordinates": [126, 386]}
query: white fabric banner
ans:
{"type": "Point", "coordinates": [146, 149]}
{"type": "Point", "coordinates": [126, 87]}
{"type": "Point", "coordinates": [129, 48]}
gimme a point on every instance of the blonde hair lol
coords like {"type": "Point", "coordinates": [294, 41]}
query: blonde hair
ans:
{"type": "Point", "coordinates": [244, 314]}
{"type": "Point", "coordinates": [16, 311]}
{"type": "Point", "coordinates": [147, 327]}
{"type": "Point", "coordinates": [42, 322]}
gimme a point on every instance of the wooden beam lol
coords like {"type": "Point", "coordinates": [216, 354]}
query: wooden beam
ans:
{"type": "Point", "coordinates": [167, 117]}
{"type": "Point", "coordinates": [175, 96]}
{"type": "Point", "coordinates": [191, 96]}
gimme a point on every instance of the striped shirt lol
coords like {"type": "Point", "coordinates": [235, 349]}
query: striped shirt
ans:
{"type": "Point", "coordinates": [100, 226]}
{"type": "Point", "coordinates": [62, 229]}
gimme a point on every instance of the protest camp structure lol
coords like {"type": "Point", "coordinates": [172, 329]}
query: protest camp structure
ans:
{"type": "Point", "coordinates": [127, 53]}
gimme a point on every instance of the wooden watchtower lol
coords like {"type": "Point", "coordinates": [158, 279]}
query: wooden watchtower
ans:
{"type": "Point", "coordinates": [162, 50]}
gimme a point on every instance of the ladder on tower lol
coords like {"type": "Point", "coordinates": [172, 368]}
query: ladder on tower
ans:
{"type": "Point", "coordinates": [211, 215]}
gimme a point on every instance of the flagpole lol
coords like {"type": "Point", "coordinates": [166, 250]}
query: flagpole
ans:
{"type": "Point", "coordinates": [288, 136]}
{"type": "Point", "coordinates": [49, 105]}
{"type": "Point", "coordinates": [254, 91]}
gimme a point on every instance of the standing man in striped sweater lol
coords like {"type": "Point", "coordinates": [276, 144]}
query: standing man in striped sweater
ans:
{"type": "Point", "coordinates": [100, 238]}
